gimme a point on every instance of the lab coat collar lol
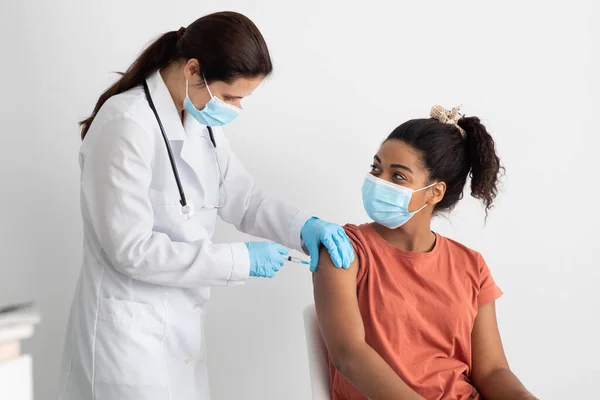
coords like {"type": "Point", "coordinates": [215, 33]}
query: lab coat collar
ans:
{"type": "Point", "coordinates": [165, 107]}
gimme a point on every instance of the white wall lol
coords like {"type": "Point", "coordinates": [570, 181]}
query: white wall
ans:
{"type": "Point", "coordinates": [346, 75]}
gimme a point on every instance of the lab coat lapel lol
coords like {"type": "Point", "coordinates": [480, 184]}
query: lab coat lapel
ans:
{"type": "Point", "coordinates": [191, 152]}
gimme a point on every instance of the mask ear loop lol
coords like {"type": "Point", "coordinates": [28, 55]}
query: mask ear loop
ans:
{"type": "Point", "coordinates": [418, 190]}
{"type": "Point", "coordinates": [426, 187]}
{"type": "Point", "coordinates": [187, 87]}
{"type": "Point", "coordinates": [207, 88]}
{"type": "Point", "coordinates": [414, 212]}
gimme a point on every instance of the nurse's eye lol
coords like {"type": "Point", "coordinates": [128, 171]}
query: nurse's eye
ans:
{"type": "Point", "coordinates": [399, 177]}
{"type": "Point", "coordinates": [375, 168]}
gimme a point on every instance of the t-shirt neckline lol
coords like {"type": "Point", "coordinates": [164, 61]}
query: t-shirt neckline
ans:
{"type": "Point", "coordinates": [405, 253]}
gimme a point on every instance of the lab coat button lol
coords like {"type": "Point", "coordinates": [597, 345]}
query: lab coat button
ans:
{"type": "Point", "coordinates": [189, 361]}
{"type": "Point", "coordinates": [196, 307]}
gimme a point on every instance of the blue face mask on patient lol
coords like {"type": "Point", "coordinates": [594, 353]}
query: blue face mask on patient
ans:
{"type": "Point", "coordinates": [215, 113]}
{"type": "Point", "coordinates": [387, 203]}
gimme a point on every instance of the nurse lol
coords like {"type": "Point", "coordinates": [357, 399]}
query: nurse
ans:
{"type": "Point", "coordinates": [156, 171]}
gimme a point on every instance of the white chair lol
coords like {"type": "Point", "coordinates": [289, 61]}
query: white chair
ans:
{"type": "Point", "coordinates": [317, 356]}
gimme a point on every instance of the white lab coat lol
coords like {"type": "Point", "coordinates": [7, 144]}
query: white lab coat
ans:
{"type": "Point", "coordinates": [136, 328]}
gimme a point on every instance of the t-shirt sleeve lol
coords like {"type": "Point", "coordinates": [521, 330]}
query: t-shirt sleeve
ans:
{"type": "Point", "coordinates": [359, 244]}
{"type": "Point", "coordinates": [488, 290]}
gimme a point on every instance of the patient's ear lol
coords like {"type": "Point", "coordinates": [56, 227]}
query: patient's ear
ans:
{"type": "Point", "coordinates": [437, 193]}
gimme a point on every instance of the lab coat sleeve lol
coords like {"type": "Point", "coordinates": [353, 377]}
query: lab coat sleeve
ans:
{"type": "Point", "coordinates": [252, 211]}
{"type": "Point", "coordinates": [116, 175]}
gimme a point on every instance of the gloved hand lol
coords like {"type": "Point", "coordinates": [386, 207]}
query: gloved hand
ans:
{"type": "Point", "coordinates": [316, 232]}
{"type": "Point", "coordinates": [266, 258]}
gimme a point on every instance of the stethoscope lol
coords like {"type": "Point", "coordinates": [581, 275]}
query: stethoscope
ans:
{"type": "Point", "coordinates": [187, 209]}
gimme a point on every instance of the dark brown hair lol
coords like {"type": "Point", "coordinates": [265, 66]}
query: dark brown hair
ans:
{"type": "Point", "coordinates": [226, 44]}
{"type": "Point", "coordinates": [451, 158]}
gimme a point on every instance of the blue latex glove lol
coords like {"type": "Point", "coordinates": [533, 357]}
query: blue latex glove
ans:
{"type": "Point", "coordinates": [266, 258]}
{"type": "Point", "coordinates": [316, 232]}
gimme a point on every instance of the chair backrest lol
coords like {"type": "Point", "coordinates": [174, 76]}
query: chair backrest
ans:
{"type": "Point", "coordinates": [317, 356]}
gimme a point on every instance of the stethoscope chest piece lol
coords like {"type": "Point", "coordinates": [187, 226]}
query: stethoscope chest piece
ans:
{"type": "Point", "coordinates": [188, 211]}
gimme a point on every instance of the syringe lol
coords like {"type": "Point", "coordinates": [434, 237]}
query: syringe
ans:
{"type": "Point", "coordinates": [296, 260]}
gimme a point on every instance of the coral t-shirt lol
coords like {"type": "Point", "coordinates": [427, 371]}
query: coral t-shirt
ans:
{"type": "Point", "coordinates": [418, 311]}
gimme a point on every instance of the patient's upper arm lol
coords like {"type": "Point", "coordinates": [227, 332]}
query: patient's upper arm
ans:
{"type": "Point", "coordinates": [337, 307]}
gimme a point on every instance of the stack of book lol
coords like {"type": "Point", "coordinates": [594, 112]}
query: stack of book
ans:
{"type": "Point", "coordinates": [17, 323]}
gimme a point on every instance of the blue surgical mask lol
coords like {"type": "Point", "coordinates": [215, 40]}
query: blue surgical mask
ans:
{"type": "Point", "coordinates": [215, 113]}
{"type": "Point", "coordinates": [387, 203]}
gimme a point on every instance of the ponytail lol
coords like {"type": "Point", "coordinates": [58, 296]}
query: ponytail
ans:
{"type": "Point", "coordinates": [157, 55]}
{"type": "Point", "coordinates": [485, 163]}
